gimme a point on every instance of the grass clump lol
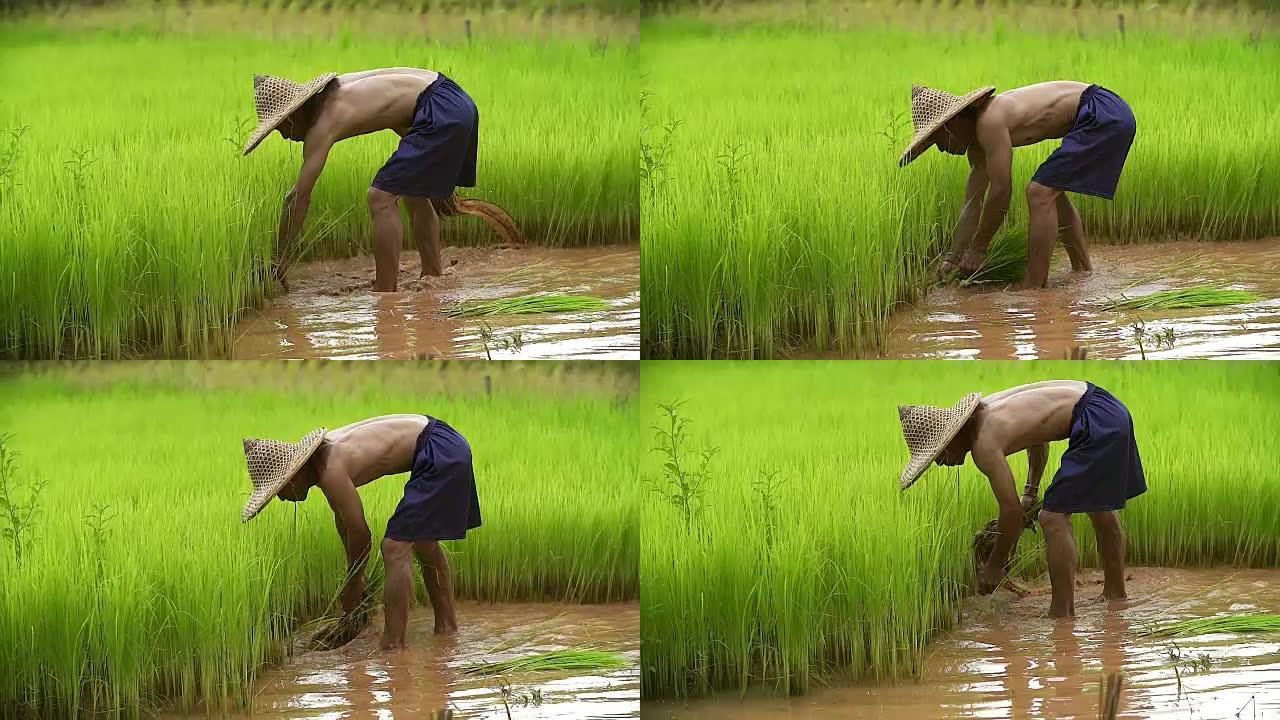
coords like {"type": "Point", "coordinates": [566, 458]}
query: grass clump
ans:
{"type": "Point", "coordinates": [1254, 623]}
{"type": "Point", "coordinates": [526, 305]}
{"type": "Point", "coordinates": [555, 660]}
{"type": "Point", "coordinates": [1192, 297]}
{"type": "Point", "coordinates": [804, 561]}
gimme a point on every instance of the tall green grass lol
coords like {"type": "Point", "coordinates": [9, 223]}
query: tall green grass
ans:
{"type": "Point", "coordinates": [176, 602]}
{"type": "Point", "coordinates": [776, 218]}
{"type": "Point", "coordinates": [131, 224]}
{"type": "Point", "coordinates": [840, 573]}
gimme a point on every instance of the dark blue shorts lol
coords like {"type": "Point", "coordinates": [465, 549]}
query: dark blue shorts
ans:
{"type": "Point", "coordinates": [439, 151]}
{"type": "Point", "coordinates": [440, 501]}
{"type": "Point", "coordinates": [1101, 468]}
{"type": "Point", "coordinates": [1092, 154]}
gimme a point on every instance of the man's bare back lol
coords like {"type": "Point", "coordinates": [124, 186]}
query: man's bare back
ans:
{"type": "Point", "coordinates": [367, 450]}
{"type": "Point", "coordinates": [1034, 113]}
{"type": "Point", "coordinates": [1021, 417]}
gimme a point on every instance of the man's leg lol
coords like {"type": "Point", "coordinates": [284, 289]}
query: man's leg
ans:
{"type": "Point", "coordinates": [439, 582]}
{"type": "Point", "coordinates": [398, 592]}
{"type": "Point", "coordinates": [1060, 547]}
{"type": "Point", "coordinates": [1072, 229]}
{"type": "Point", "coordinates": [1042, 231]}
{"type": "Point", "coordinates": [388, 237]}
{"type": "Point", "coordinates": [1106, 525]}
{"type": "Point", "coordinates": [425, 226]}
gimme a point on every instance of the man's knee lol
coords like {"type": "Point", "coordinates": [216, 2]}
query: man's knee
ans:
{"type": "Point", "coordinates": [381, 200]}
{"type": "Point", "coordinates": [1105, 520]}
{"type": "Point", "coordinates": [396, 552]}
{"type": "Point", "coordinates": [1055, 523]}
{"type": "Point", "coordinates": [1041, 196]}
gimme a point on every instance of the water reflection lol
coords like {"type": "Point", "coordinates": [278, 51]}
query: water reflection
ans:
{"type": "Point", "coordinates": [995, 323]}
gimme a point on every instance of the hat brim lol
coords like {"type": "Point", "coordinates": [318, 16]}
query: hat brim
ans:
{"type": "Point", "coordinates": [924, 138]}
{"type": "Point", "coordinates": [909, 477]}
{"type": "Point", "coordinates": [263, 494]}
{"type": "Point", "coordinates": [264, 129]}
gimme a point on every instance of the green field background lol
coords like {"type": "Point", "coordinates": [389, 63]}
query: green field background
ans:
{"type": "Point", "coordinates": [776, 217]}
{"type": "Point", "coordinates": [852, 576]}
{"type": "Point", "coordinates": [178, 602]}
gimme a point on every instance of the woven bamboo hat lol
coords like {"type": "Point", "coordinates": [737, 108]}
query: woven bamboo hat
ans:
{"type": "Point", "coordinates": [276, 98]}
{"type": "Point", "coordinates": [272, 464]}
{"type": "Point", "coordinates": [928, 429]}
{"type": "Point", "coordinates": [930, 109]}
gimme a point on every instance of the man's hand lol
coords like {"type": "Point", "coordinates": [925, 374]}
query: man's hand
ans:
{"type": "Point", "coordinates": [989, 578]}
{"type": "Point", "coordinates": [1028, 501]}
{"type": "Point", "coordinates": [972, 262]}
{"type": "Point", "coordinates": [341, 631]}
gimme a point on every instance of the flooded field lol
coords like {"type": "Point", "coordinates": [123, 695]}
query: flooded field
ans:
{"type": "Point", "coordinates": [359, 681]}
{"type": "Point", "coordinates": [331, 312]}
{"type": "Point", "coordinates": [1008, 660]}
{"type": "Point", "coordinates": [994, 323]}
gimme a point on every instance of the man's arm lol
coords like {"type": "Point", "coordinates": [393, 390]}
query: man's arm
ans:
{"type": "Point", "coordinates": [991, 461]}
{"type": "Point", "coordinates": [298, 200]}
{"type": "Point", "coordinates": [1037, 458]}
{"type": "Point", "coordinates": [997, 148]}
{"type": "Point", "coordinates": [974, 191]}
{"type": "Point", "coordinates": [348, 514]}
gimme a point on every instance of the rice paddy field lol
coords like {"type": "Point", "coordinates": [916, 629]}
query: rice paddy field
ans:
{"type": "Point", "coordinates": [138, 589]}
{"type": "Point", "coordinates": [131, 225]}
{"type": "Point", "coordinates": [776, 219]}
{"type": "Point", "coordinates": [794, 558]}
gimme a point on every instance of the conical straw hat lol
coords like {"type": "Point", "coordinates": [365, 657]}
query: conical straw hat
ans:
{"type": "Point", "coordinates": [928, 429]}
{"type": "Point", "coordinates": [275, 98]}
{"type": "Point", "coordinates": [930, 109]}
{"type": "Point", "coordinates": [272, 464]}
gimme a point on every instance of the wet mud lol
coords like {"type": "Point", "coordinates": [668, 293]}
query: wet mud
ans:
{"type": "Point", "coordinates": [359, 681]}
{"type": "Point", "coordinates": [994, 322]}
{"type": "Point", "coordinates": [331, 311]}
{"type": "Point", "coordinates": [1007, 660]}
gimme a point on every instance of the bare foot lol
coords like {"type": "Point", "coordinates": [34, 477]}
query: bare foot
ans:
{"type": "Point", "coordinates": [446, 628]}
{"type": "Point", "coordinates": [391, 646]}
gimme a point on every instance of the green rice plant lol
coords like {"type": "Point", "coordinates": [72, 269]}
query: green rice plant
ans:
{"type": "Point", "coordinates": [1253, 623]}
{"type": "Point", "coordinates": [841, 574]}
{"type": "Point", "coordinates": [1192, 297]}
{"type": "Point", "coordinates": [551, 661]}
{"type": "Point", "coordinates": [828, 235]}
{"type": "Point", "coordinates": [526, 305]}
{"type": "Point", "coordinates": [130, 223]}
{"type": "Point", "coordinates": [147, 593]}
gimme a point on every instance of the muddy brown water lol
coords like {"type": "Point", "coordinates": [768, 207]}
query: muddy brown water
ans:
{"type": "Point", "coordinates": [331, 312]}
{"type": "Point", "coordinates": [359, 681]}
{"type": "Point", "coordinates": [994, 322]}
{"type": "Point", "coordinates": [1007, 660]}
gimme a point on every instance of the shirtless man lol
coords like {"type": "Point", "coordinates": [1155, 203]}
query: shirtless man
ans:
{"type": "Point", "coordinates": [1096, 127]}
{"type": "Point", "coordinates": [1099, 472]}
{"type": "Point", "coordinates": [439, 503]}
{"type": "Point", "coordinates": [438, 124]}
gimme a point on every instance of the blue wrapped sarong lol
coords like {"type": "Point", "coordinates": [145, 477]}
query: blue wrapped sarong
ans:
{"type": "Point", "coordinates": [1092, 154]}
{"type": "Point", "coordinates": [1101, 468]}
{"type": "Point", "coordinates": [440, 501]}
{"type": "Point", "coordinates": [439, 151]}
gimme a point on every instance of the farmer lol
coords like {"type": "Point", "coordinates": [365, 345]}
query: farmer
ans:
{"type": "Point", "coordinates": [438, 124]}
{"type": "Point", "coordinates": [1100, 470]}
{"type": "Point", "coordinates": [439, 503]}
{"type": "Point", "coordinates": [1096, 128]}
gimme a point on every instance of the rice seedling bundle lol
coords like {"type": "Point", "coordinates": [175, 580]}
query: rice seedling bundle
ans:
{"type": "Point", "coordinates": [842, 574]}
{"type": "Point", "coordinates": [131, 223]}
{"type": "Point", "coordinates": [1192, 297]}
{"type": "Point", "coordinates": [551, 661]}
{"type": "Point", "coordinates": [526, 305]}
{"type": "Point", "coordinates": [776, 217]}
{"type": "Point", "coordinates": [1254, 623]}
{"type": "Point", "coordinates": [172, 601]}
